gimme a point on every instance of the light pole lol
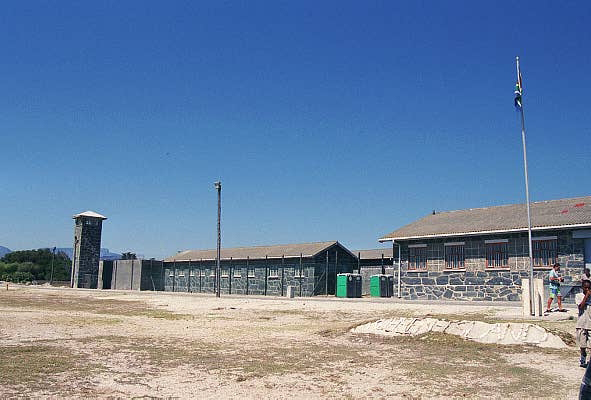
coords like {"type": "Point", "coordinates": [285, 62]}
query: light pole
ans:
{"type": "Point", "coordinates": [218, 186]}
{"type": "Point", "coordinates": [52, 257]}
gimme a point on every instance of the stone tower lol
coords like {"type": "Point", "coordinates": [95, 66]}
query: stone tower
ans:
{"type": "Point", "coordinates": [87, 250]}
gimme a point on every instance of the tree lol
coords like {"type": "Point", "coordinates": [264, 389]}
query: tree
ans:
{"type": "Point", "coordinates": [128, 255]}
{"type": "Point", "coordinates": [34, 265]}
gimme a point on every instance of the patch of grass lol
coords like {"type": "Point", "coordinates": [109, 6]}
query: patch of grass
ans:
{"type": "Point", "coordinates": [37, 366]}
{"type": "Point", "coordinates": [238, 362]}
{"type": "Point", "coordinates": [55, 302]}
{"type": "Point", "coordinates": [437, 359]}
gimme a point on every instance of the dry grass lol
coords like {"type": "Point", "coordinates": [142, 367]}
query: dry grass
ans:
{"type": "Point", "coordinates": [97, 305]}
{"type": "Point", "coordinates": [42, 368]}
{"type": "Point", "coordinates": [119, 348]}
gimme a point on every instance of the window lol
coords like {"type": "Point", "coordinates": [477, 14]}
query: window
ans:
{"type": "Point", "coordinates": [250, 272]}
{"type": "Point", "coordinates": [224, 272]}
{"type": "Point", "coordinates": [417, 257]}
{"type": "Point", "coordinates": [544, 251]}
{"type": "Point", "coordinates": [212, 273]}
{"type": "Point", "coordinates": [237, 273]}
{"type": "Point", "coordinates": [202, 272]}
{"type": "Point", "coordinates": [497, 254]}
{"type": "Point", "coordinates": [454, 255]}
{"type": "Point", "coordinates": [191, 272]}
{"type": "Point", "coordinates": [273, 272]}
{"type": "Point", "coordinates": [171, 272]}
{"type": "Point", "coordinates": [181, 273]}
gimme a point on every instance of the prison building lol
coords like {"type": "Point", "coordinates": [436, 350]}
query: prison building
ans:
{"type": "Point", "coordinates": [310, 268]}
{"type": "Point", "coordinates": [373, 262]}
{"type": "Point", "coordinates": [483, 253]}
{"type": "Point", "coordinates": [131, 275]}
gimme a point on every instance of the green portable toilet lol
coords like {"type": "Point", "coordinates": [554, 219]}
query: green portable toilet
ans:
{"type": "Point", "coordinates": [374, 286]}
{"type": "Point", "coordinates": [342, 284]}
{"type": "Point", "coordinates": [381, 285]}
{"type": "Point", "coordinates": [348, 285]}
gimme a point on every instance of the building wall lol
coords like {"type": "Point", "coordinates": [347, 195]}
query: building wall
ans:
{"type": "Point", "coordinates": [369, 267]}
{"type": "Point", "coordinates": [268, 276]}
{"type": "Point", "coordinates": [476, 281]}
{"type": "Point", "coordinates": [131, 275]}
{"type": "Point", "coordinates": [328, 265]}
{"type": "Point", "coordinates": [254, 277]}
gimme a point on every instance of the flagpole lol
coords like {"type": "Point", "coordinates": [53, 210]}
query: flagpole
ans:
{"type": "Point", "coordinates": [531, 260]}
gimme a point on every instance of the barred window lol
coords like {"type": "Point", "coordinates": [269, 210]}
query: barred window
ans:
{"type": "Point", "coordinates": [237, 272]}
{"type": "Point", "coordinates": [250, 272]}
{"type": "Point", "coordinates": [454, 256]}
{"type": "Point", "coordinates": [417, 258]}
{"type": "Point", "coordinates": [497, 255]}
{"type": "Point", "coordinates": [273, 272]}
{"type": "Point", "coordinates": [202, 272]}
{"type": "Point", "coordinates": [224, 272]}
{"type": "Point", "coordinates": [544, 252]}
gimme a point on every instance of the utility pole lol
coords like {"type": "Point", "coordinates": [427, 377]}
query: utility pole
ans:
{"type": "Point", "coordinates": [218, 276]}
{"type": "Point", "coordinates": [52, 257]}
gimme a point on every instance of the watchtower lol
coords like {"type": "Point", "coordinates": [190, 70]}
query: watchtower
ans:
{"type": "Point", "coordinates": [87, 249]}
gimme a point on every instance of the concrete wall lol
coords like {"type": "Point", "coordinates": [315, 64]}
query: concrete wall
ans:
{"type": "Point", "coordinates": [131, 275]}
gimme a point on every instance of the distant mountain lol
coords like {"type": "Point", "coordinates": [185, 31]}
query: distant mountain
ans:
{"type": "Point", "coordinates": [105, 253]}
{"type": "Point", "coordinates": [4, 251]}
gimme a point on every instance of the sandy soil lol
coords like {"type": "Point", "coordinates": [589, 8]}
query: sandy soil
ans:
{"type": "Point", "coordinates": [64, 343]}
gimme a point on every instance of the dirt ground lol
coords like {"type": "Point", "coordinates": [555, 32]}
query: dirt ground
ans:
{"type": "Point", "coordinates": [65, 343]}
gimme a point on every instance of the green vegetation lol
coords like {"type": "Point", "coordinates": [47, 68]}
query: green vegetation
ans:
{"type": "Point", "coordinates": [30, 265]}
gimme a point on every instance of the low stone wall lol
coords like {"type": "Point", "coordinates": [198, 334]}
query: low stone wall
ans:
{"type": "Point", "coordinates": [477, 286]}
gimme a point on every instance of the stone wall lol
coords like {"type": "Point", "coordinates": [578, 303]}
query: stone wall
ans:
{"type": "Point", "coordinates": [87, 249]}
{"type": "Point", "coordinates": [269, 276]}
{"type": "Point", "coordinates": [258, 278]}
{"type": "Point", "coordinates": [479, 283]}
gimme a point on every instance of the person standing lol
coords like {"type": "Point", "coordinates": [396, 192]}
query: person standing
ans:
{"type": "Point", "coordinates": [583, 326]}
{"type": "Point", "coordinates": [555, 279]}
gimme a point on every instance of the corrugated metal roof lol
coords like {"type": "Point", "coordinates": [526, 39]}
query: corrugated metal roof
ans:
{"type": "Point", "coordinates": [373, 253]}
{"type": "Point", "coordinates": [256, 252]}
{"type": "Point", "coordinates": [544, 215]}
{"type": "Point", "coordinates": [89, 214]}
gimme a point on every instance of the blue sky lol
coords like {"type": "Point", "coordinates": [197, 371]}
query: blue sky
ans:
{"type": "Point", "coordinates": [330, 120]}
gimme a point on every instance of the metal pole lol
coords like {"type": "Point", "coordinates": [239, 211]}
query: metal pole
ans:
{"type": "Point", "coordinates": [531, 260]}
{"type": "Point", "coordinates": [300, 274]}
{"type": "Point", "coordinates": [52, 257]}
{"type": "Point", "coordinates": [326, 275]}
{"type": "Point", "coordinates": [73, 272]}
{"type": "Point", "coordinates": [399, 266]}
{"type": "Point", "coordinates": [218, 186]}
{"type": "Point", "coordinates": [247, 272]}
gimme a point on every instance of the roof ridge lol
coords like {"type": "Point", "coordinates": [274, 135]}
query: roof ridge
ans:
{"type": "Point", "coordinates": [260, 246]}
{"type": "Point", "coordinates": [510, 205]}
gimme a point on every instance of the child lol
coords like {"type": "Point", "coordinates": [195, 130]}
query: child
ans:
{"type": "Point", "coordinates": [583, 326]}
